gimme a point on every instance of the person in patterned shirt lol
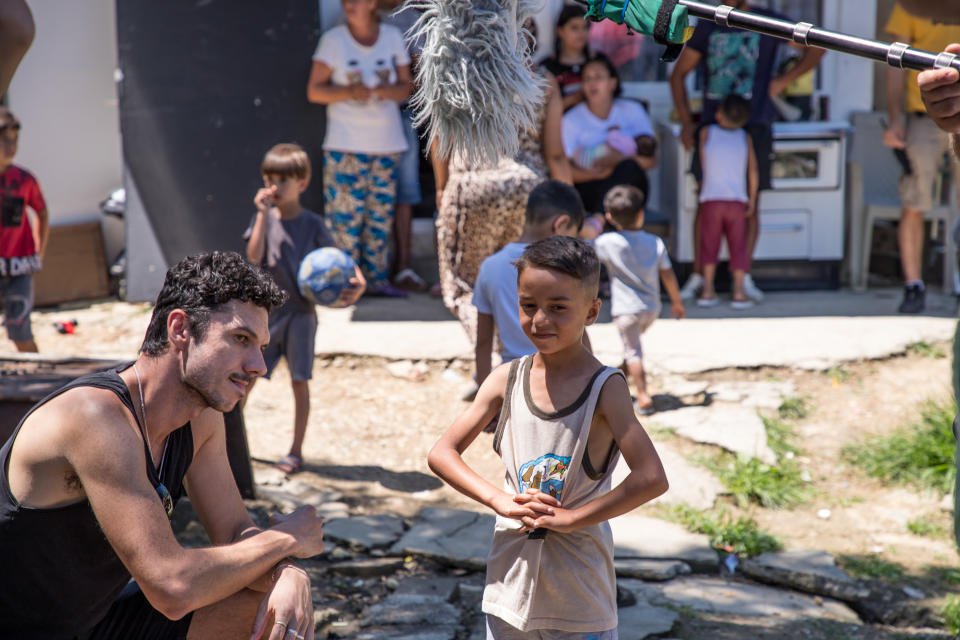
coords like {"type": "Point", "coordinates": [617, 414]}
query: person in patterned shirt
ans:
{"type": "Point", "coordinates": [21, 244]}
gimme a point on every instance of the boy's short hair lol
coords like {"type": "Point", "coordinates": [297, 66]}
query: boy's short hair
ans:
{"type": "Point", "coordinates": [551, 199]}
{"type": "Point", "coordinates": [571, 256]}
{"type": "Point", "coordinates": [737, 109]}
{"type": "Point", "coordinates": [623, 202]}
{"type": "Point", "coordinates": [286, 160]}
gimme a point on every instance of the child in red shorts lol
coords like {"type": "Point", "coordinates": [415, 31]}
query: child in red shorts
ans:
{"type": "Point", "coordinates": [728, 196]}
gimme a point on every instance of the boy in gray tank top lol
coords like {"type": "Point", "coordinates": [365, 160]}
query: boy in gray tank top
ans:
{"type": "Point", "coordinates": [564, 421]}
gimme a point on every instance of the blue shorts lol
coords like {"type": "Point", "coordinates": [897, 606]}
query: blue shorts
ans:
{"type": "Point", "coordinates": [17, 293]}
{"type": "Point", "coordinates": [408, 169]}
{"type": "Point", "coordinates": [497, 629]}
{"type": "Point", "coordinates": [292, 335]}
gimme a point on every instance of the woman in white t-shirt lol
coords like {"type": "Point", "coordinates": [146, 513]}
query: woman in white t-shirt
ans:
{"type": "Point", "coordinates": [608, 139]}
{"type": "Point", "coordinates": [361, 70]}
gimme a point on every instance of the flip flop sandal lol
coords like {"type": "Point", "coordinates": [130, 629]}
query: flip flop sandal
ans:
{"type": "Point", "coordinates": [289, 464]}
{"type": "Point", "coordinates": [410, 280]}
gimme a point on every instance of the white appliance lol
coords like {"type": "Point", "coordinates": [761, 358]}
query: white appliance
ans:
{"type": "Point", "coordinates": [801, 218]}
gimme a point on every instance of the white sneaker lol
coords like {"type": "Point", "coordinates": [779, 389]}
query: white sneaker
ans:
{"type": "Point", "coordinates": [691, 287]}
{"type": "Point", "coordinates": [751, 289]}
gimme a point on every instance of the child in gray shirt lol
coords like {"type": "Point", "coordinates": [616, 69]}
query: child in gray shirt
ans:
{"type": "Point", "coordinates": [637, 261]}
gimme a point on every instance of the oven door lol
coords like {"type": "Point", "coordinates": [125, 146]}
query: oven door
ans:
{"type": "Point", "coordinates": [806, 164]}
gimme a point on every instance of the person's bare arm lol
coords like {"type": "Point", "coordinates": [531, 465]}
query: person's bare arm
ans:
{"type": "Point", "coordinates": [573, 99]}
{"type": "Point", "coordinates": [669, 279]}
{"type": "Point", "coordinates": [321, 90]}
{"type": "Point", "coordinates": [645, 481]}
{"type": "Point", "coordinates": [214, 496]}
{"type": "Point", "coordinates": [484, 348]}
{"type": "Point", "coordinates": [686, 63]}
{"type": "Point", "coordinates": [809, 59]}
{"type": "Point", "coordinates": [43, 231]}
{"type": "Point", "coordinates": [445, 457]}
{"type": "Point", "coordinates": [894, 135]}
{"type": "Point", "coordinates": [557, 163]}
{"type": "Point", "coordinates": [17, 30]}
{"type": "Point", "coordinates": [174, 580]}
{"type": "Point", "coordinates": [257, 242]}
{"type": "Point", "coordinates": [753, 178]}
{"type": "Point", "coordinates": [400, 90]}
{"type": "Point", "coordinates": [441, 170]}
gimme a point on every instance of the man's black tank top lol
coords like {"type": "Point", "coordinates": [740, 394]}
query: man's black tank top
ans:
{"type": "Point", "coordinates": [59, 573]}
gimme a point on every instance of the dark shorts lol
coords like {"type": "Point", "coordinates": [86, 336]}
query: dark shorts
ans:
{"type": "Point", "coordinates": [17, 294]}
{"type": "Point", "coordinates": [762, 136]}
{"type": "Point", "coordinates": [293, 336]}
{"type": "Point", "coordinates": [131, 616]}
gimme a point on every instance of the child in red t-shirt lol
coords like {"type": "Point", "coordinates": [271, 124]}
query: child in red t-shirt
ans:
{"type": "Point", "coordinates": [21, 246]}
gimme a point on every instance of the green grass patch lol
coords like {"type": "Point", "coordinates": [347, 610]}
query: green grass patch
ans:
{"type": "Point", "coordinates": [923, 526]}
{"type": "Point", "coordinates": [919, 455]}
{"type": "Point", "coordinates": [837, 374]}
{"type": "Point", "coordinates": [780, 437]}
{"type": "Point", "coordinates": [951, 614]}
{"type": "Point", "coordinates": [741, 535]}
{"type": "Point", "coordinates": [751, 481]}
{"type": "Point", "coordinates": [793, 409]}
{"type": "Point", "coordinates": [871, 566]}
{"type": "Point", "coordinates": [924, 349]}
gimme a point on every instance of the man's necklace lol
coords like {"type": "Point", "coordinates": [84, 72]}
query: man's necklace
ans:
{"type": "Point", "coordinates": [162, 491]}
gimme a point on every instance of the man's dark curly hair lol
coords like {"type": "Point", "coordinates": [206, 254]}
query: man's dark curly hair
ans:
{"type": "Point", "coordinates": [200, 285]}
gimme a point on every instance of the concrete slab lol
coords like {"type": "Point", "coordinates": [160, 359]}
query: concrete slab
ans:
{"type": "Point", "coordinates": [636, 536]}
{"type": "Point", "coordinates": [411, 609]}
{"type": "Point", "coordinates": [689, 484]}
{"type": "Point", "coordinates": [365, 532]}
{"type": "Point", "coordinates": [716, 595]}
{"type": "Point", "coordinates": [453, 536]}
{"type": "Point", "coordinates": [737, 429]}
{"type": "Point", "coordinates": [643, 620]}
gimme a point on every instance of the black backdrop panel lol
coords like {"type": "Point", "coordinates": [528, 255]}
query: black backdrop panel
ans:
{"type": "Point", "coordinates": [208, 86]}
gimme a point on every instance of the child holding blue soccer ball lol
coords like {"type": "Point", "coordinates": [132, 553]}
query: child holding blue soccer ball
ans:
{"type": "Point", "coordinates": [280, 235]}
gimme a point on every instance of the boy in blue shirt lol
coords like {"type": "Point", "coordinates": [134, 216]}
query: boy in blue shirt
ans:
{"type": "Point", "coordinates": [553, 208]}
{"type": "Point", "coordinates": [281, 233]}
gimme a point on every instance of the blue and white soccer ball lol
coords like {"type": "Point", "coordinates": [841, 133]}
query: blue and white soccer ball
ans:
{"type": "Point", "coordinates": [324, 274]}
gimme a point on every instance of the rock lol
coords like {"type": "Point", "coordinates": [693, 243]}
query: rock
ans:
{"type": "Point", "coordinates": [411, 609]}
{"type": "Point", "coordinates": [339, 553]}
{"type": "Point", "coordinates": [637, 536]}
{"type": "Point", "coordinates": [364, 532]}
{"type": "Point", "coordinates": [268, 476]}
{"type": "Point", "coordinates": [768, 395]}
{"type": "Point", "coordinates": [689, 484]}
{"type": "Point", "coordinates": [325, 615]}
{"type": "Point", "coordinates": [682, 387]}
{"type": "Point", "coordinates": [642, 620]}
{"type": "Point", "coordinates": [408, 370]}
{"type": "Point", "coordinates": [452, 536]}
{"type": "Point", "coordinates": [718, 596]}
{"type": "Point", "coordinates": [333, 510]}
{"type": "Point", "coordinates": [478, 631]}
{"type": "Point", "coordinates": [809, 571]}
{"type": "Point", "coordinates": [439, 586]}
{"type": "Point", "coordinates": [367, 568]}
{"type": "Point", "coordinates": [469, 595]}
{"type": "Point", "coordinates": [440, 633]}
{"type": "Point", "coordinates": [654, 570]}
{"type": "Point", "coordinates": [736, 429]}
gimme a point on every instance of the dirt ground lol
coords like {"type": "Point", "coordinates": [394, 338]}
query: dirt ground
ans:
{"type": "Point", "coordinates": [370, 430]}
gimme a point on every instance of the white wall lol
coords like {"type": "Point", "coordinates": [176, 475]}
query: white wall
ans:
{"type": "Point", "coordinates": [64, 95]}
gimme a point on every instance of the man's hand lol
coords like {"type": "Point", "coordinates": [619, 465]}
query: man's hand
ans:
{"type": "Point", "coordinates": [894, 136]}
{"type": "Point", "coordinates": [686, 135]}
{"type": "Point", "coordinates": [677, 310]}
{"type": "Point", "coordinates": [304, 525]}
{"type": "Point", "coordinates": [940, 91]}
{"type": "Point", "coordinates": [264, 199]}
{"type": "Point", "coordinates": [350, 295]}
{"type": "Point", "coordinates": [288, 607]}
{"type": "Point", "coordinates": [777, 86]}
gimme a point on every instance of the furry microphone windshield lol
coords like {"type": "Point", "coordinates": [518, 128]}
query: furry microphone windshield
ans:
{"type": "Point", "coordinates": [476, 86]}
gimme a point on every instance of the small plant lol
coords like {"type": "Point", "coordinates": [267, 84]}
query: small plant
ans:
{"type": "Point", "coordinates": [920, 455]}
{"type": "Point", "coordinates": [951, 614]}
{"type": "Point", "coordinates": [738, 535]}
{"type": "Point", "coordinates": [793, 409]}
{"type": "Point", "coordinates": [750, 480]}
{"type": "Point", "coordinates": [871, 566]}
{"type": "Point", "coordinates": [837, 374]}
{"type": "Point", "coordinates": [923, 527]}
{"type": "Point", "coordinates": [924, 349]}
{"type": "Point", "coordinates": [780, 437]}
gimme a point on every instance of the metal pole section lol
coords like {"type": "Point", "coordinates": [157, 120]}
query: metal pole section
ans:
{"type": "Point", "coordinates": [896, 54]}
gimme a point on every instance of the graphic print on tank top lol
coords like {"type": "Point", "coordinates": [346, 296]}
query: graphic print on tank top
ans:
{"type": "Point", "coordinates": [544, 473]}
{"type": "Point", "coordinates": [732, 64]}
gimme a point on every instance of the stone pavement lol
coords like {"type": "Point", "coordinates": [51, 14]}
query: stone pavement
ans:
{"type": "Point", "coordinates": [803, 329]}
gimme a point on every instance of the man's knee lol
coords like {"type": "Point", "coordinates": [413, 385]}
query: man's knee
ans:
{"type": "Point", "coordinates": [231, 617]}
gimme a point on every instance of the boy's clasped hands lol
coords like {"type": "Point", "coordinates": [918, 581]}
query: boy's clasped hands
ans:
{"type": "Point", "coordinates": [535, 509]}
